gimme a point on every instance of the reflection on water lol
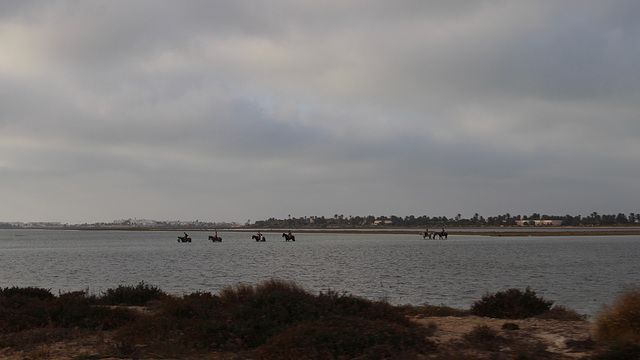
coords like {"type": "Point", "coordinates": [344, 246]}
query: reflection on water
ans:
{"type": "Point", "coordinates": [581, 273]}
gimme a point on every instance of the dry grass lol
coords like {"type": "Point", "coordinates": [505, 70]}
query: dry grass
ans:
{"type": "Point", "coordinates": [621, 321]}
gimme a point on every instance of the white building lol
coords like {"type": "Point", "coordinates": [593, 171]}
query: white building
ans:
{"type": "Point", "coordinates": [539, 222]}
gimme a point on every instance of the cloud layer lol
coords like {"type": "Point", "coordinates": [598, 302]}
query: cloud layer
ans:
{"type": "Point", "coordinates": [228, 111]}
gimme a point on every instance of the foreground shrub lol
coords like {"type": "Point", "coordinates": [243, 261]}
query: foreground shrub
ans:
{"type": "Point", "coordinates": [484, 337]}
{"type": "Point", "coordinates": [201, 319]}
{"type": "Point", "coordinates": [481, 333]}
{"type": "Point", "coordinates": [30, 339]}
{"type": "Point", "coordinates": [20, 312]}
{"type": "Point", "coordinates": [625, 350]}
{"type": "Point", "coordinates": [75, 309]}
{"type": "Point", "coordinates": [346, 338]}
{"type": "Point", "coordinates": [621, 322]}
{"type": "Point", "coordinates": [273, 312]}
{"type": "Point", "coordinates": [559, 312]}
{"type": "Point", "coordinates": [268, 309]}
{"type": "Point", "coordinates": [200, 305]}
{"type": "Point", "coordinates": [139, 295]}
{"type": "Point", "coordinates": [510, 326]}
{"type": "Point", "coordinates": [26, 292]}
{"type": "Point", "coordinates": [511, 304]}
{"type": "Point", "coordinates": [432, 310]}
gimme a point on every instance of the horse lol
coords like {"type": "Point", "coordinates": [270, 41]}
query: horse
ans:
{"type": "Point", "coordinates": [215, 238]}
{"type": "Point", "coordinates": [257, 238]}
{"type": "Point", "coordinates": [441, 234]}
{"type": "Point", "coordinates": [288, 237]}
{"type": "Point", "coordinates": [184, 239]}
{"type": "Point", "coordinates": [426, 235]}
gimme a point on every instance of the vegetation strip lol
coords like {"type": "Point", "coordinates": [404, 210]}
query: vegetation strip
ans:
{"type": "Point", "coordinates": [459, 231]}
{"type": "Point", "coordinates": [280, 320]}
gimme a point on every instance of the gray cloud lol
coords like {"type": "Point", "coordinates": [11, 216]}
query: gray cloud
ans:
{"type": "Point", "coordinates": [236, 110]}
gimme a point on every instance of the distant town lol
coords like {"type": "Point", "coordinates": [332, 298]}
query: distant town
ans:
{"type": "Point", "coordinates": [121, 224]}
{"type": "Point", "coordinates": [342, 221]}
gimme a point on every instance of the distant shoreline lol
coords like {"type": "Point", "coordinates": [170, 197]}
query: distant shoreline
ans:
{"type": "Point", "coordinates": [603, 232]}
{"type": "Point", "coordinates": [485, 231]}
{"type": "Point", "coordinates": [452, 232]}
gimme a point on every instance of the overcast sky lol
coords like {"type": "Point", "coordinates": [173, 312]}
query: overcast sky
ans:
{"type": "Point", "coordinates": [237, 110]}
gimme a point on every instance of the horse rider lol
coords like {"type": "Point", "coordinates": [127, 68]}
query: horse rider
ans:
{"type": "Point", "coordinates": [186, 236]}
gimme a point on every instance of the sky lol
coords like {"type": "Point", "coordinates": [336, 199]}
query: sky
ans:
{"type": "Point", "coordinates": [246, 110]}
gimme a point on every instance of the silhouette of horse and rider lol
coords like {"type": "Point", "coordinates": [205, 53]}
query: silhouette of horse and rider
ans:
{"type": "Point", "coordinates": [215, 238]}
{"type": "Point", "coordinates": [258, 237]}
{"type": "Point", "coordinates": [440, 234]}
{"type": "Point", "coordinates": [287, 237]}
{"type": "Point", "coordinates": [184, 238]}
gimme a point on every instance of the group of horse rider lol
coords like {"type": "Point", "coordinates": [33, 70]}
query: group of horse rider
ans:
{"type": "Point", "coordinates": [441, 234]}
{"type": "Point", "coordinates": [261, 237]}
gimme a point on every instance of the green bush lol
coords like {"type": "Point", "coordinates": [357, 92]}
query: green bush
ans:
{"type": "Point", "coordinates": [621, 322]}
{"type": "Point", "coordinates": [139, 295]}
{"type": "Point", "coordinates": [511, 304]}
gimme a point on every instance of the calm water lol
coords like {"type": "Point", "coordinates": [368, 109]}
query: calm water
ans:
{"type": "Point", "coordinates": [581, 273]}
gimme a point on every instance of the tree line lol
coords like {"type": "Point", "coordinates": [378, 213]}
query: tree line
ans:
{"type": "Point", "coordinates": [342, 221]}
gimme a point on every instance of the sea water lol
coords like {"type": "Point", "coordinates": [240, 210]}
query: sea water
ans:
{"type": "Point", "coordinates": [582, 273]}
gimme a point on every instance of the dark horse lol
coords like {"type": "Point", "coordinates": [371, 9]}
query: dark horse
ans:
{"type": "Point", "coordinates": [426, 235]}
{"type": "Point", "coordinates": [441, 234]}
{"type": "Point", "coordinates": [184, 239]}
{"type": "Point", "coordinates": [288, 237]}
{"type": "Point", "coordinates": [257, 238]}
{"type": "Point", "coordinates": [215, 238]}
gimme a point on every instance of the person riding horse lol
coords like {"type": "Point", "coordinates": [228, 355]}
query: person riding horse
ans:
{"type": "Point", "coordinates": [215, 237]}
{"type": "Point", "coordinates": [186, 238]}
